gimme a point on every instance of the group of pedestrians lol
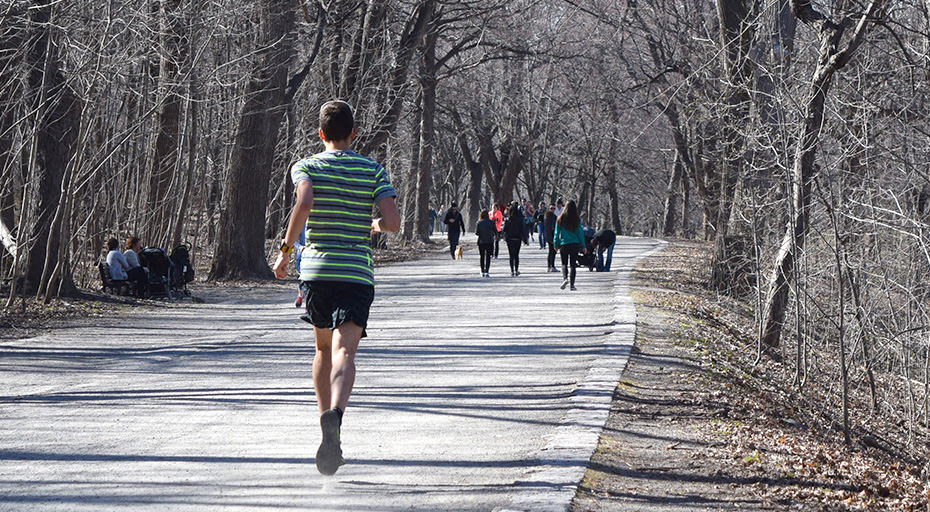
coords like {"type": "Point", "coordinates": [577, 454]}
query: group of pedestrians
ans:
{"type": "Point", "coordinates": [558, 226]}
{"type": "Point", "coordinates": [492, 227]}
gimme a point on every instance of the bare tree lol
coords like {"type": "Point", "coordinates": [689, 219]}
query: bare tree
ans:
{"type": "Point", "coordinates": [240, 252]}
{"type": "Point", "coordinates": [834, 54]}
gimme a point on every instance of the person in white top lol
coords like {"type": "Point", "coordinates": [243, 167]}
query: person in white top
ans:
{"type": "Point", "coordinates": [133, 248]}
{"type": "Point", "coordinates": [116, 261]}
{"type": "Point", "coordinates": [122, 270]}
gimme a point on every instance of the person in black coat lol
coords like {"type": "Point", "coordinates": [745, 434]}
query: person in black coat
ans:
{"type": "Point", "coordinates": [514, 231]}
{"type": "Point", "coordinates": [487, 233]}
{"type": "Point", "coordinates": [456, 227]}
{"type": "Point", "coordinates": [550, 237]}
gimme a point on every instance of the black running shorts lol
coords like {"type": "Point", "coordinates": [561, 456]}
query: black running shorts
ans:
{"type": "Point", "coordinates": [332, 303]}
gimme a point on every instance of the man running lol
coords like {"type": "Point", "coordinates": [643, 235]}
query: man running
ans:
{"type": "Point", "coordinates": [336, 190]}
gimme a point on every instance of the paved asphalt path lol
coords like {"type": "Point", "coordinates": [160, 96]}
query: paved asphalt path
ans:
{"type": "Point", "coordinates": [472, 394]}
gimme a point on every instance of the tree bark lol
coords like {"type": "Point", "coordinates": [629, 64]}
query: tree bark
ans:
{"type": "Point", "coordinates": [408, 197]}
{"type": "Point", "coordinates": [240, 251]}
{"type": "Point", "coordinates": [182, 212]}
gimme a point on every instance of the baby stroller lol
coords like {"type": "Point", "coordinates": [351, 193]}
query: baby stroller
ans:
{"type": "Point", "coordinates": [587, 259]}
{"type": "Point", "coordinates": [160, 269]}
{"type": "Point", "coordinates": [182, 271]}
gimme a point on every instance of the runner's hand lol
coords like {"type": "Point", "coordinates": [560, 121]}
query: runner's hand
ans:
{"type": "Point", "coordinates": [280, 266]}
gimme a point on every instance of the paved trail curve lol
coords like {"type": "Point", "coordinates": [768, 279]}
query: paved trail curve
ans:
{"type": "Point", "coordinates": [472, 394]}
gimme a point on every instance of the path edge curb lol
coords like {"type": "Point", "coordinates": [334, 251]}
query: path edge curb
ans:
{"type": "Point", "coordinates": [561, 464]}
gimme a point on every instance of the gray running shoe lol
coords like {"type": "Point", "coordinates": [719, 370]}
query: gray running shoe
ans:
{"type": "Point", "coordinates": [573, 288]}
{"type": "Point", "coordinates": [329, 455]}
{"type": "Point", "coordinates": [564, 284]}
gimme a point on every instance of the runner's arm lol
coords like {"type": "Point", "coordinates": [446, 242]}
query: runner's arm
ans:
{"type": "Point", "coordinates": [295, 225]}
{"type": "Point", "coordinates": [389, 221]}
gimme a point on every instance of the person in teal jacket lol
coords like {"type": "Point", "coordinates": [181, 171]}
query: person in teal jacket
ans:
{"type": "Point", "coordinates": [569, 241]}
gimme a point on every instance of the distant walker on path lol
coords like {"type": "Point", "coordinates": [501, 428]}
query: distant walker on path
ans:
{"type": "Point", "coordinates": [515, 232]}
{"type": "Point", "coordinates": [336, 190]}
{"type": "Point", "coordinates": [486, 232]}
{"type": "Point", "coordinates": [456, 227]}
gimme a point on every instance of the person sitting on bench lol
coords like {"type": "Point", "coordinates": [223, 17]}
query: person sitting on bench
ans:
{"type": "Point", "coordinates": [133, 248]}
{"type": "Point", "coordinates": [119, 268]}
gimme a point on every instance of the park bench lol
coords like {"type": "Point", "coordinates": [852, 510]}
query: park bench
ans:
{"type": "Point", "coordinates": [117, 286]}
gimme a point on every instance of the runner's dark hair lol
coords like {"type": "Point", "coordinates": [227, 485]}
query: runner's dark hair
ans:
{"type": "Point", "coordinates": [336, 120]}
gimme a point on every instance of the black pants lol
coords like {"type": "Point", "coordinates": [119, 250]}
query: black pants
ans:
{"type": "Point", "coordinates": [513, 247]}
{"type": "Point", "coordinates": [484, 254]}
{"type": "Point", "coordinates": [497, 245]}
{"type": "Point", "coordinates": [138, 275]}
{"type": "Point", "coordinates": [569, 261]}
{"type": "Point", "coordinates": [551, 258]}
{"type": "Point", "coordinates": [453, 242]}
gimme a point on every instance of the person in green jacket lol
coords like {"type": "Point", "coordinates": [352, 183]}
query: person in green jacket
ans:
{"type": "Point", "coordinates": [569, 241]}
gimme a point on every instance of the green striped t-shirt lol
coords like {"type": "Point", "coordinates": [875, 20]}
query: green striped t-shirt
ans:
{"type": "Point", "coordinates": [346, 186]}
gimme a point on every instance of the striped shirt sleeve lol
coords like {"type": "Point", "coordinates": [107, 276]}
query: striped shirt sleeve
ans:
{"type": "Point", "coordinates": [300, 172]}
{"type": "Point", "coordinates": [383, 187]}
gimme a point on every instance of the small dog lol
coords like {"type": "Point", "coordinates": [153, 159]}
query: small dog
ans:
{"type": "Point", "coordinates": [458, 252]}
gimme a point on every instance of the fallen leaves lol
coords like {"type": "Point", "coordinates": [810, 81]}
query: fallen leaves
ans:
{"type": "Point", "coordinates": [781, 442]}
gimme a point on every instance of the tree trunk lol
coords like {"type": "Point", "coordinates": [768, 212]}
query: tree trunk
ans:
{"type": "Point", "coordinates": [671, 197]}
{"type": "Point", "coordinates": [408, 197]}
{"type": "Point", "coordinates": [428, 83]}
{"type": "Point", "coordinates": [692, 169]}
{"type": "Point", "coordinates": [56, 125]}
{"type": "Point", "coordinates": [614, 195]}
{"type": "Point", "coordinates": [165, 157]}
{"type": "Point", "coordinates": [803, 173]}
{"type": "Point", "coordinates": [736, 37]}
{"type": "Point", "coordinates": [240, 250]}
{"type": "Point", "coordinates": [475, 172]}
{"type": "Point", "coordinates": [832, 58]}
{"type": "Point", "coordinates": [411, 38]}
{"type": "Point", "coordinates": [516, 160]}
{"type": "Point", "coordinates": [11, 39]}
{"type": "Point", "coordinates": [686, 231]}
{"type": "Point", "coordinates": [182, 212]}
